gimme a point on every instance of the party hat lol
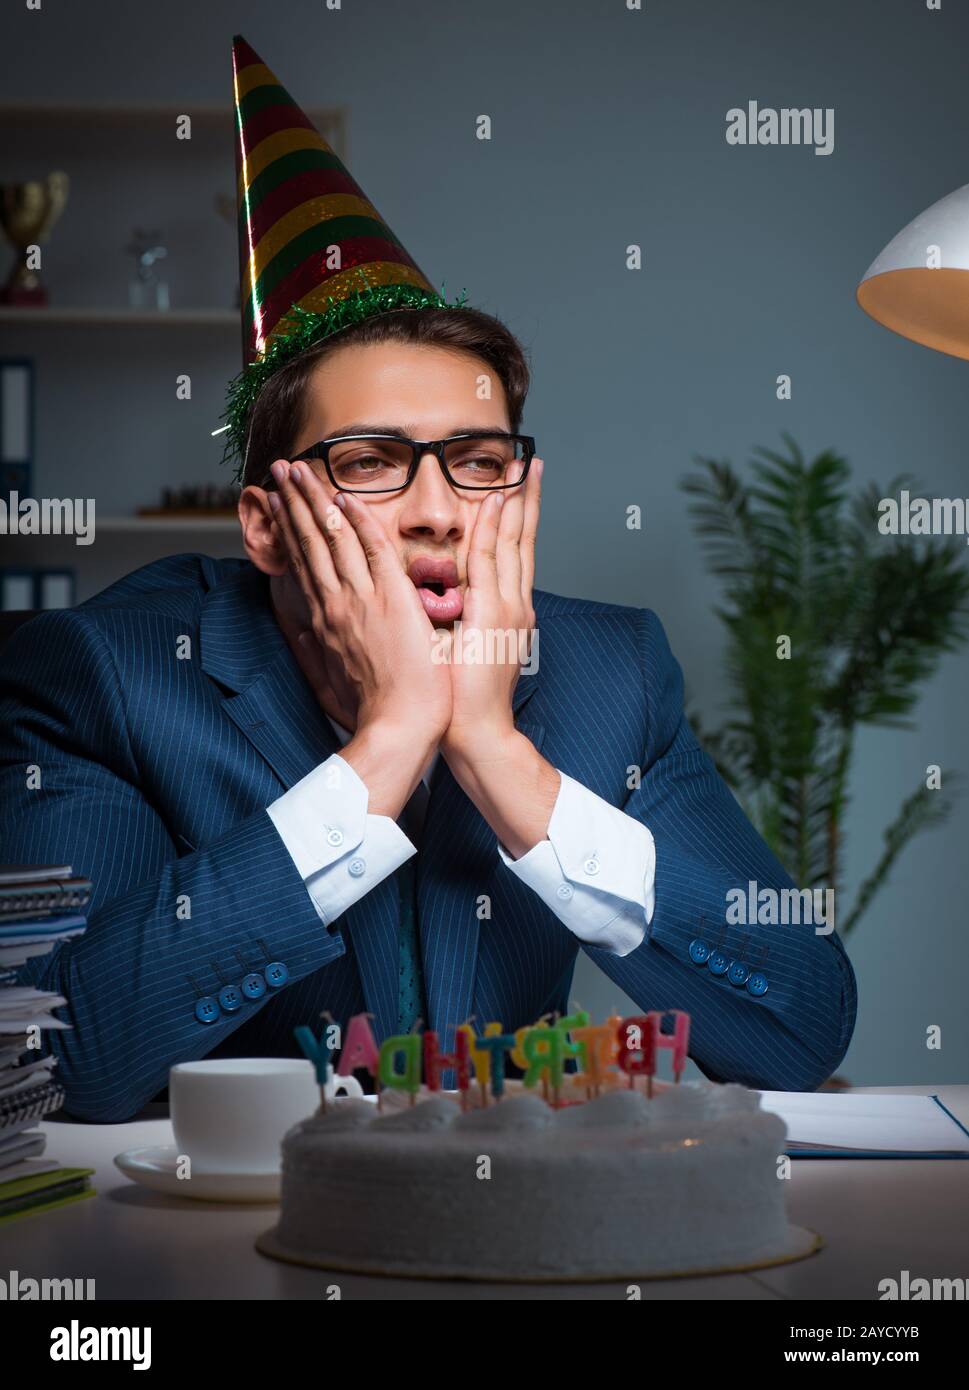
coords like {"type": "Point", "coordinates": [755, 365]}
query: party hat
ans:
{"type": "Point", "coordinates": [315, 254]}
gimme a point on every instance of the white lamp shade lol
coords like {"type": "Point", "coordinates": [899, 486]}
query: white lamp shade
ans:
{"type": "Point", "coordinates": [919, 285]}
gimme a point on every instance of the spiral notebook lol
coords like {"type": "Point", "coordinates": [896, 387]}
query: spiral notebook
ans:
{"type": "Point", "coordinates": [24, 1108]}
{"type": "Point", "coordinates": [824, 1124]}
{"type": "Point", "coordinates": [22, 899]}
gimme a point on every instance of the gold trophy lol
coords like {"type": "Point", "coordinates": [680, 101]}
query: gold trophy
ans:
{"type": "Point", "coordinates": [28, 211]}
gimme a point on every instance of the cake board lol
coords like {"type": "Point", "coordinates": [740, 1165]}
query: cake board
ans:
{"type": "Point", "coordinates": [801, 1243]}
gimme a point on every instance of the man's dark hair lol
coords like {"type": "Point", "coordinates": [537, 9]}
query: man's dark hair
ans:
{"type": "Point", "coordinates": [278, 412]}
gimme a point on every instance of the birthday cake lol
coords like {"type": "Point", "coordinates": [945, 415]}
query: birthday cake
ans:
{"type": "Point", "coordinates": [629, 1183]}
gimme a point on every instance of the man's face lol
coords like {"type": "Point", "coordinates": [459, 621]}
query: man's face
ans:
{"type": "Point", "coordinates": [429, 393]}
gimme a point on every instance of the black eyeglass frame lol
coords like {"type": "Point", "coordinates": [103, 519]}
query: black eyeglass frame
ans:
{"type": "Point", "coordinates": [419, 447]}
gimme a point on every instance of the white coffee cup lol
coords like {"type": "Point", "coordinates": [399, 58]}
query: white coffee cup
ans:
{"type": "Point", "coordinates": [229, 1114]}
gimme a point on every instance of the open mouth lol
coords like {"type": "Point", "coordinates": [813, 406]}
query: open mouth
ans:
{"type": "Point", "coordinates": [436, 581]}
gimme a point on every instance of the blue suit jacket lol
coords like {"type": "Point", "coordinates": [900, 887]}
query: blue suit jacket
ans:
{"type": "Point", "coordinates": [155, 773]}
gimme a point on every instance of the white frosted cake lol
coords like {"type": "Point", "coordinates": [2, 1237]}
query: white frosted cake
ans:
{"type": "Point", "coordinates": [620, 1187]}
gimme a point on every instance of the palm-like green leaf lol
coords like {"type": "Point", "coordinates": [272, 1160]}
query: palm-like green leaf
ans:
{"type": "Point", "coordinates": [867, 616]}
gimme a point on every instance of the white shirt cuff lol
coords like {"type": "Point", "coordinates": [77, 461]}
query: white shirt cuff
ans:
{"type": "Point", "coordinates": [340, 851]}
{"type": "Point", "coordinates": [596, 871]}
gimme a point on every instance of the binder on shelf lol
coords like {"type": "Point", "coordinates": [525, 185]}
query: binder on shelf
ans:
{"type": "Point", "coordinates": [36, 588]}
{"type": "Point", "coordinates": [16, 589]}
{"type": "Point", "coordinates": [16, 424]}
{"type": "Point", "coordinates": [55, 589]}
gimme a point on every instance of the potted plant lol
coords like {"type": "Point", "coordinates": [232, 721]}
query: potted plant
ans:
{"type": "Point", "coordinates": [831, 625]}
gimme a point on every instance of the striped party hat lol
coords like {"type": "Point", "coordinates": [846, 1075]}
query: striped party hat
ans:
{"type": "Point", "coordinates": [315, 254]}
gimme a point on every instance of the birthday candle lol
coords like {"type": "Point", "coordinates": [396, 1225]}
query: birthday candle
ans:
{"type": "Point", "coordinates": [496, 1045]}
{"type": "Point", "coordinates": [544, 1053]}
{"type": "Point", "coordinates": [435, 1061]}
{"type": "Point", "coordinates": [596, 1042]}
{"type": "Point", "coordinates": [614, 1022]}
{"type": "Point", "coordinates": [317, 1052]}
{"type": "Point", "coordinates": [407, 1045]}
{"type": "Point", "coordinates": [359, 1048]}
{"type": "Point", "coordinates": [678, 1041]}
{"type": "Point", "coordinates": [517, 1053]}
{"type": "Point", "coordinates": [575, 1044]}
{"type": "Point", "coordinates": [480, 1056]}
{"type": "Point", "coordinates": [637, 1047]}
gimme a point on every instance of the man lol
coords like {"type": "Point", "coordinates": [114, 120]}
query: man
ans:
{"type": "Point", "coordinates": [226, 747]}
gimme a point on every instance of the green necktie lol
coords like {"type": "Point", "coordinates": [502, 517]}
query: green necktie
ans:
{"type": "Point", "coordinates": [410, 987]}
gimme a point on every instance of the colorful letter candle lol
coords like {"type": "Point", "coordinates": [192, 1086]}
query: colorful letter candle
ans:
{"type": "Point", "coordinates": [614, 1021]}
{"type": "Point", "coordinates": [408, 1046]}
{"type": "Point", "coordinates": [480, 1057]}
{"type": "Point", "coordinates": [637, 1049]}
{"type": "Point", "coordinates": [496, 1045]}
{"type": "Point", "coordinates": [678, 1041]}
{"type": "Point", "coordinates": [435, 1062]}
{"type": "Point", "coordinates": [576, 1046]}
{"type": "Point", "coordinates": [597, 1043]}
{"type": "Point", "coordinates": [544, 1050]}
{"type": "Point", "coordinates": [319, 1055]}
{"type": "Point", "coordinates": [359, 1048]}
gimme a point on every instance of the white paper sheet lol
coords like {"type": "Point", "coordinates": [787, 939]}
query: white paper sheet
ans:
{"type": "Point", "coordinates": [866, 1123]}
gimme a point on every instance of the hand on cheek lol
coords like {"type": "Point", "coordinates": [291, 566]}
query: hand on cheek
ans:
{"type": "Point", "coordinates": [498, 618]}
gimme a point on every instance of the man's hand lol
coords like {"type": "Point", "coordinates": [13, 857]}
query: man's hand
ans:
{"type": "Point", "coordinates": [497, 620]}
{"type": "Point", "coordinates": [370, 653]}
{"type": "Point", "coordinates": [499, 769]}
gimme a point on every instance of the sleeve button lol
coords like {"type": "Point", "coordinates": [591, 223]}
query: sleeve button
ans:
{"type": "Point", "coordinates": [207, 1009]}
{"type": "Point", "coordinates": [230, 998]}
{"type": "Point", "coordinates": [334, 837]}
{"type": "Point", "coordinates": [254, 986]}
{"type": "Point", "coordinates": [276, 974]}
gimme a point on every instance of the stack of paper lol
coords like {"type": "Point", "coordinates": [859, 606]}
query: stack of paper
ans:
{"type": "Point", "coordinates": [36, 916]}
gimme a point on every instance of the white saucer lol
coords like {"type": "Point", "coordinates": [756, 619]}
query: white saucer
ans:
{"type": "Point", "coordinates": [155, 1168]}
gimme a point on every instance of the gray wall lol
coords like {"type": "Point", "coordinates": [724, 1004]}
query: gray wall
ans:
{"type": "Point", "coordinates": [608, 129]}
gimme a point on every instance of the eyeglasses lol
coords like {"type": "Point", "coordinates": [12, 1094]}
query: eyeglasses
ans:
{"type": "Point", "coordinates": [478, 462]}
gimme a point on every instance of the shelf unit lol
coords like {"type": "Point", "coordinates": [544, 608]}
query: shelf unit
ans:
{"type": "Point", "coordinates": [168, 523]}
{"type": "Point", "coordinates": [52, 136]}
{"type": "Point", "coordinates": [55, 317]}
{"type": "Point", "coordinates": [330, 121]}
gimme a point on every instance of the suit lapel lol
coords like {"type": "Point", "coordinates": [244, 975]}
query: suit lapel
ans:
{"type": "Point", "coordinates": [271, 703]}
{"type": "Point", "coordinates": [244, 648]}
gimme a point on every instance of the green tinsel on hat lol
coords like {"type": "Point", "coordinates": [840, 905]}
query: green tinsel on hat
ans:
{"type": "Point", "coordinates": [308, 329]}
